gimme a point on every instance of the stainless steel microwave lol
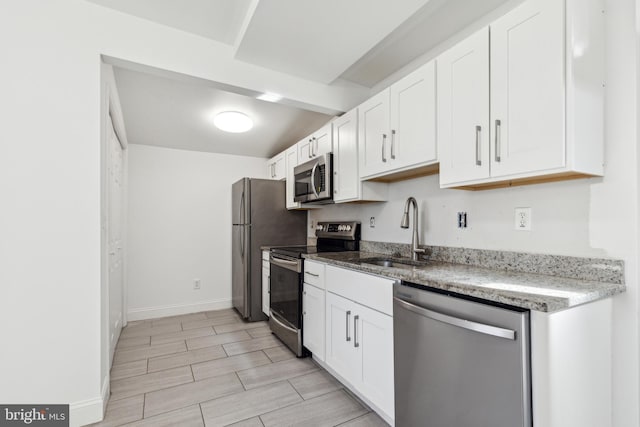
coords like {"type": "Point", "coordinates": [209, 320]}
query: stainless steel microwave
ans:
{"type": "Point", "coordinates": [313, 180]}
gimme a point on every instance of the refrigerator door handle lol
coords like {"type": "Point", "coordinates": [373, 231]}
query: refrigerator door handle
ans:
{"type": "Point", "coordinates": [242, 242]}
{"type": "Point", "coordinates": [242, 209]}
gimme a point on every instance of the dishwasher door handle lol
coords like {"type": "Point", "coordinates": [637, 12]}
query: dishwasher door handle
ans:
{"type": "Point", "coordinates": [456, 321]}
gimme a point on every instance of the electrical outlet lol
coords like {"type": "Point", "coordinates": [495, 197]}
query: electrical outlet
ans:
{"type": "Point", "coordinates": [523, 219]}
{"type": "Point", "coordinates": [462, 220]}
{"type": "Point", "coordinates": [372, 222]}
{"type": "Point", "coordinates": [196, 284]}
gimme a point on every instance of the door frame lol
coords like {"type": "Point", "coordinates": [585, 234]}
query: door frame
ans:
{"type": "Point", "coordinates": [110, 107]}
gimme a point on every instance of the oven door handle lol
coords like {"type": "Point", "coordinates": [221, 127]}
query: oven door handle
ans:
{"type": "Point", "coordinates": [285, 263]}
{"type": "Point", "coordinates": [274, 316]}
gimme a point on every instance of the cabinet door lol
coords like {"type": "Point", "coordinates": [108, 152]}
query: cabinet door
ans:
{"type": "Point", "coordinates": [527, 89]}
{"type": "Point", "coordinates": [373, 337]}
{"type": "Point", "coordinates": [265, 287]}
{"type": "Point", "coordinates": [276, 167]}
{"type": "Point", "coordinates": [280, 167]}
{"type": "Point", "coordinates": [322, 141]}
{"type": "Point", "coordinates": [373, 134]}
{"type": "Point", "coordinates": [346, 182]}
{"type": "Point", "coordinates": [291, 161]}
{"type": "Point", "coordinates": [463, 110]}
{"type": "Point", "coordinates": [305, 150]}
{"type": "Point", "coordinates": [413, 118]}
{"type": "Point", "coordinates": [313, 325]}
{"type": "Point", "coordinates": [339, 350]}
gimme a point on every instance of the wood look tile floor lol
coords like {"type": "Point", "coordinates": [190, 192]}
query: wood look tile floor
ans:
{"type": "Point", "coordinates": [213, 369]}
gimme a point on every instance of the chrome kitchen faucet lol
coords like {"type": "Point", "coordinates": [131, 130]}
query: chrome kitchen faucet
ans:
{"type": "Point", "coordinates": [415, 250]}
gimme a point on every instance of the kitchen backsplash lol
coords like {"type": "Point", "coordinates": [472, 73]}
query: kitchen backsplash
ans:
{"type": "Point", "coordinates": [595, 269]}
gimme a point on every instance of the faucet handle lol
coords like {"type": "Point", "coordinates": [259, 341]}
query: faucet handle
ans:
{"type": "Point", "coordinates": [420, 250]}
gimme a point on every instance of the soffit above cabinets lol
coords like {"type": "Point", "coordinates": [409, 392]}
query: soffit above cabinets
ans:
{"type": "Point", "coordinates": [327, 41]}
{"type": "Point", "coordinates": [218, 20]}
{"type": "Point", "coordinates": [319, 40]}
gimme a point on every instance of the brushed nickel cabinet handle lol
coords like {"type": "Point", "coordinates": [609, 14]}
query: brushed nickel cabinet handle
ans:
{"type": "Point", "coordinates": [384, 143]}
{"type": "Point", "coordinates": [347, 325]}
{"type": "Point", "coordinates": [355, 331]}
{"type": "Point", "coordinates": [393, 144]}
{"type": "Point", "coordinates": [498, 142]}
{"type": "Point", "coordinates": [478, 153]}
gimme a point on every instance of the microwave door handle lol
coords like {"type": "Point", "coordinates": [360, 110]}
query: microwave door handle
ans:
{"type": "Point", "coordinates": [313, 180]}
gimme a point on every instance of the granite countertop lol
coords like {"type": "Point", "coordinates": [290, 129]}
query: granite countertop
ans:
{"type": "Point", "coordinates": [534, 291]}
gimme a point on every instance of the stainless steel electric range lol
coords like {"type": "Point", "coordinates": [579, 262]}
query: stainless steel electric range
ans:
{"type": "Point", "coordinates": [287, 268]}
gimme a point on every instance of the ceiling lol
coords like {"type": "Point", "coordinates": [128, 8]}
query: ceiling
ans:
{"type": "Point", "coordinates": [170, 113]}
{"type": "Point", "coordinates": [330, 42]}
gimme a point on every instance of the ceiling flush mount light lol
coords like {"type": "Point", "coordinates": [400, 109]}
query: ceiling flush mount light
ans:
{"type": "Point", "coordinates": [233, 121]}
{"type": "Point", "coordinates": [271, 97]}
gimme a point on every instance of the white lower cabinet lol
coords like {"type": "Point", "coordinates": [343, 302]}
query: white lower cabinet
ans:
{"type": "Point", "coordinates": [340, 354]}
{"type": "Point", "coordinates": [360, 349]}
{"type": "Point", "coordinates": [313, 309]}
{"type": "Point", "coordinates": [359, 337]}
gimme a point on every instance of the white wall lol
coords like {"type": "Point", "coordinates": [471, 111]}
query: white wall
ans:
{"type": "Point", "coordinates": [179, 228]}
{"type": "Point", "coordinates": [591, 217]}
{"type": "Point", "coordinates": [50, 180]}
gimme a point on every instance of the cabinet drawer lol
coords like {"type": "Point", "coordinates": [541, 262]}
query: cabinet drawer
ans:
{"type": "Point", "coordinates": [371, 291]}
{"type": "Point", "coordinates": [314, 273]}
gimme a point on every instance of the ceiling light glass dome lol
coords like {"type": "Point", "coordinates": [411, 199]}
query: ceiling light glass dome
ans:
{"type": "Point", "coordinates": [233, 121]}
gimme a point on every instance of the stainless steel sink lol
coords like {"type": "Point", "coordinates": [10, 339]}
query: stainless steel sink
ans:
{"type": "Point", "coordinates": [394, 262]}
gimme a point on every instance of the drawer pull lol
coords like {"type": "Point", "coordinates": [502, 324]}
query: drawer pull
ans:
{"type": "Point", "coordinates": [347, 325]}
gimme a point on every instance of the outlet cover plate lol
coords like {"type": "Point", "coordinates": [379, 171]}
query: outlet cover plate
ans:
{"type": "Point", "coordinates": [523, 219]}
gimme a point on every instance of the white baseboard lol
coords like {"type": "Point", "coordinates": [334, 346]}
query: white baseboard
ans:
{"type": "Point", "coordinates": [86, 412]}
{"type": "Point", "coordinates": [106, 391]}
{"type": "Point", "coordinates": [176, 309]}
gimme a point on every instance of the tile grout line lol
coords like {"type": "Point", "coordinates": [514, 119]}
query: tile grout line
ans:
{"type": "Point", "coordinates": [239, 379]}
{"type": "Point", "coordinates": [294, 387]}
{"type": "Point", "coordinates": [263, 352]}
{"type": "Point", "coordinates": [144, 404]}
{"type": "Point", "coordinates": [204, 423]}
{"type": "Point", "coordinates": [352, 419]}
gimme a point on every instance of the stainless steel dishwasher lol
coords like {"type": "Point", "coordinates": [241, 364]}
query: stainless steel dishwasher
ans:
{"type": "Point", "coordinates": [459, 362]}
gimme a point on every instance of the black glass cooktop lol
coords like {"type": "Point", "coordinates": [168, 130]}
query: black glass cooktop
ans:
{"type": "Point", "coordinates": [298, 251]}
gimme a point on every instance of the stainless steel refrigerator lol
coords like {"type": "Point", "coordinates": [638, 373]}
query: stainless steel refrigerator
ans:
{"type": "Point", "coordinates": [260, 218]}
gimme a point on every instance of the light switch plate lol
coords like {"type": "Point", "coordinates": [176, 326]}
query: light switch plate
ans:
{"type": "Point", "coordinates": [523, 219]}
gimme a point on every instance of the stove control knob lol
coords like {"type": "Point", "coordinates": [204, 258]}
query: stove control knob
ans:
{"type": "Point", "coordinates": [319, 227]}
{"type": "Point", "coordinates": [347, 227]}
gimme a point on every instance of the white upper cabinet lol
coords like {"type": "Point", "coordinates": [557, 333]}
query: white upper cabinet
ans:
{"type": "Point", "coordinates": [346, 181]}
{"type": "Point", "coordinates": [315, 145]}
{"type": "Point", "coordinates": [463, 110]}
{"type": "Point", "coordinates": [397, 128]}
{"type": "Point", "coordinates": [347, 186]}
{"type": "Point", "coordinates": [291, 161]}
{"type": "Point", "coordinates": [536, 113]}
{"type": "Point", "coordinates": [373, 132]}
{"type": "Point", "coordinates": [413, 118]}
{"type": "Point", "coordinates": [527, 89]}
{"type": "Point", "coordinates": [276, 167]}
